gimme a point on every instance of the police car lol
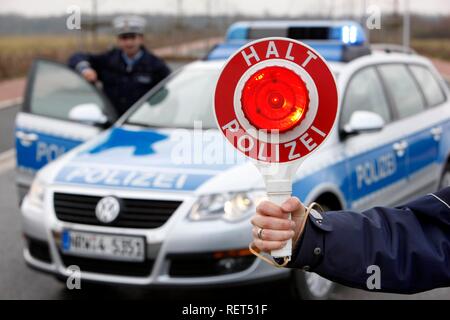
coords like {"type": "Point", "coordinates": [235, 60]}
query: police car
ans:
{"type": "Point", "coordinates": [151, 201]}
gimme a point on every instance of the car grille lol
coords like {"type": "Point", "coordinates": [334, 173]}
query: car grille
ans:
{"type": "Point", "coordinates": [134, 213]}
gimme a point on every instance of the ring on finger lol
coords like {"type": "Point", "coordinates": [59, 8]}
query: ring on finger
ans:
{"type": "Point", "coordinates": [260, 233]}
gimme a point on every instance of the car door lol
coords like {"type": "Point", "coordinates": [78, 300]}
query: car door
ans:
{"type": "Point", "coordinates": [419, 125]}
{"type": "Point", "coordinates": [436, 116]}
{"type": "Point", "coordinates": [376, 170]}
{"type": "Point", "coordinates": [60, 111]}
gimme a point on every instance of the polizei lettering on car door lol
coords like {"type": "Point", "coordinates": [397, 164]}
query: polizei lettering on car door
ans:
{"type": "Point", "coordinates": [376, 170]}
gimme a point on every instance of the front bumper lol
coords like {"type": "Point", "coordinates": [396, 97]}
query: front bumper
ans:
{"type": "Point", "coordinates": [179, 253]}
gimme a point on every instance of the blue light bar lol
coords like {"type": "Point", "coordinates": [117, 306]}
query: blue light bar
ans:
{"type": "Point", "coordinates": [329, 38]}
{"type": "Point", "coordinates": [237, 31]}
{"type": "Point", "coordinates": [225, 50]}
{"type": "Point", "coordinates": [347, 32]}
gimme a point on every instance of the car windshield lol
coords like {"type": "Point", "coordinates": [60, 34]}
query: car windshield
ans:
{"type": "Point", "coordinates": [183, 99]}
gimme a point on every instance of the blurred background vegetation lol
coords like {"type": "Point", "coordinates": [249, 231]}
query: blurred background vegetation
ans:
{"type": "Point", "coordinates": [24, 38]}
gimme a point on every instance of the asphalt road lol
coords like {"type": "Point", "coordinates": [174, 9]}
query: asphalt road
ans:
{"type": "Point", "coordinates": [17, 281]}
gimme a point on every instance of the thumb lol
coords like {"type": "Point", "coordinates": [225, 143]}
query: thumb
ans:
{"type": "Point", "coordinates": [294, 206]}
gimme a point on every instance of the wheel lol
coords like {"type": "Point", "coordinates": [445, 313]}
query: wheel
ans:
{"type": "Point", "coordinates": [309, 285]}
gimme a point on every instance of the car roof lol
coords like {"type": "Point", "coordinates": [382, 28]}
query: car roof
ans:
{"type": "Point", "coordinates": [336, 66]}
{"type": "Point", "coordinates": [218, 65]}
{"type": "Point", "coordinates": [290, 23]}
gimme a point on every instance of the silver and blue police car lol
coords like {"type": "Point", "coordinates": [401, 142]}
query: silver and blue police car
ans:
{"type": "Point", "coordinates": [146, 202]}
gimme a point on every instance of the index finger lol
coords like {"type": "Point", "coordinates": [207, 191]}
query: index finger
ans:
{"type": "Point", "coordinates": [267, 208]}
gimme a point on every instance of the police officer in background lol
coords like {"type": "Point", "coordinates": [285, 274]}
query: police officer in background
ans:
{"type": "Point", "coordinates": [128, 71]}
{"type": "Point", "coordinates": [410, 244]}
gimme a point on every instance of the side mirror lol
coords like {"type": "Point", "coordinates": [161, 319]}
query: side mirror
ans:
{"type": "Point", "coordinates": [88, 113]}
{"type": "Point", "coordinates": [363, 121]}
{"type": "Point", "coordinates": [159, 96]}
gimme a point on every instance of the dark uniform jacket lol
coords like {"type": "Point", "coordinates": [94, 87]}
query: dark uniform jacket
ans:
{"type": "Point", "coordinates": [410, 245]}
{"type": "Point", "coordinates": [121, 84]}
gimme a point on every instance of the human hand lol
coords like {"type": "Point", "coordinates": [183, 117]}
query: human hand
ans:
{"type": "Point", "coordinates": [276, 227]}
{"type": "Point", "coordinates": [89, 74]}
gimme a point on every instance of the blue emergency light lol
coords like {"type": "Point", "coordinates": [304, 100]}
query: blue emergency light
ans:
{"type": "Point", "coordinates": [332, 39]}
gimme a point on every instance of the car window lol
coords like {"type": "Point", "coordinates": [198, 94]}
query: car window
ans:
{"type": "Point", "coordinates": [57, 89]}
{"type": "Point", "coordinates": [365, 92]}
{"type": "Point", "coordinates": [404, 91]}
{"type": "Point", "coordinates": [430, 87]}
{"type": "Point", "coordinates": [183, 99]}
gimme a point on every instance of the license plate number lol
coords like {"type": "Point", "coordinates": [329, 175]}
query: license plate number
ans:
{"type": "Point", "coordinates": [106, 246]}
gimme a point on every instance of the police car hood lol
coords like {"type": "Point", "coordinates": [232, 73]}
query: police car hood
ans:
{"type": "Point", "coordinates": [163, 159]}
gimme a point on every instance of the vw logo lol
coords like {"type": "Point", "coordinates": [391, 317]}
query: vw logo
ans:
{"type": "Point", "coordinates": [107, 209]}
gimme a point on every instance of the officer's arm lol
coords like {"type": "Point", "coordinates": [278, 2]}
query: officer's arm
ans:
{"type": "Point", "coordinates": [409, 245]}
{"type": "Point", "coordinates": [81, 61]}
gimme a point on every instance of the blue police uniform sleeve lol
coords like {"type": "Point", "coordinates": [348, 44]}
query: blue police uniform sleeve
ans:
{"type": "Point", "coordinates": [80, 61]}
{"type": "Point", "coordinates": [409, 245]}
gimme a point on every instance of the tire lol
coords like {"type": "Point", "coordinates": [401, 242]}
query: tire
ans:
{"type": "Point", "coordinates": [309, 285]}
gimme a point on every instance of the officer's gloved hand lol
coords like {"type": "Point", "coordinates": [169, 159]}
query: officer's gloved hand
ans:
{"type": "Point", "coordinates": [275, 224]}
{"type": "Point", "coordinates": [89, 74]}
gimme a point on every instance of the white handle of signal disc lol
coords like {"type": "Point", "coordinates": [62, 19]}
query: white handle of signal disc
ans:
{"type": "Point", "coordinates": [279, 198]}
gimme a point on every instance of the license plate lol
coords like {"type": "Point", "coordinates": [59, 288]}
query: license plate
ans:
{"type": "Point", "coordinates": [105, 246]}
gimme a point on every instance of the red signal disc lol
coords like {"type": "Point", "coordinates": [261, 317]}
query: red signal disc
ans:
{"type": "Point", "coordinates": [274, 98]}
{"type": "Point", "coordinates": [303, 108]}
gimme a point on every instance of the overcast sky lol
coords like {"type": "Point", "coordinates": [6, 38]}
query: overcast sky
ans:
{"type": "Point", "coordinates": [289, 8]}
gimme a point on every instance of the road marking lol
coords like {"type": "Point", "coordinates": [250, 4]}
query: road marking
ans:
{"type": "Point", "coordinates": [7, 160]}
{"type": "Point", "coordinates": [10, 103]}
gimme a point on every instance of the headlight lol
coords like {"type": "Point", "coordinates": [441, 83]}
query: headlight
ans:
{"type": "Point", "coordinates": [36, 193]}
{"type": "Point", "coordinates": [231, 206]}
